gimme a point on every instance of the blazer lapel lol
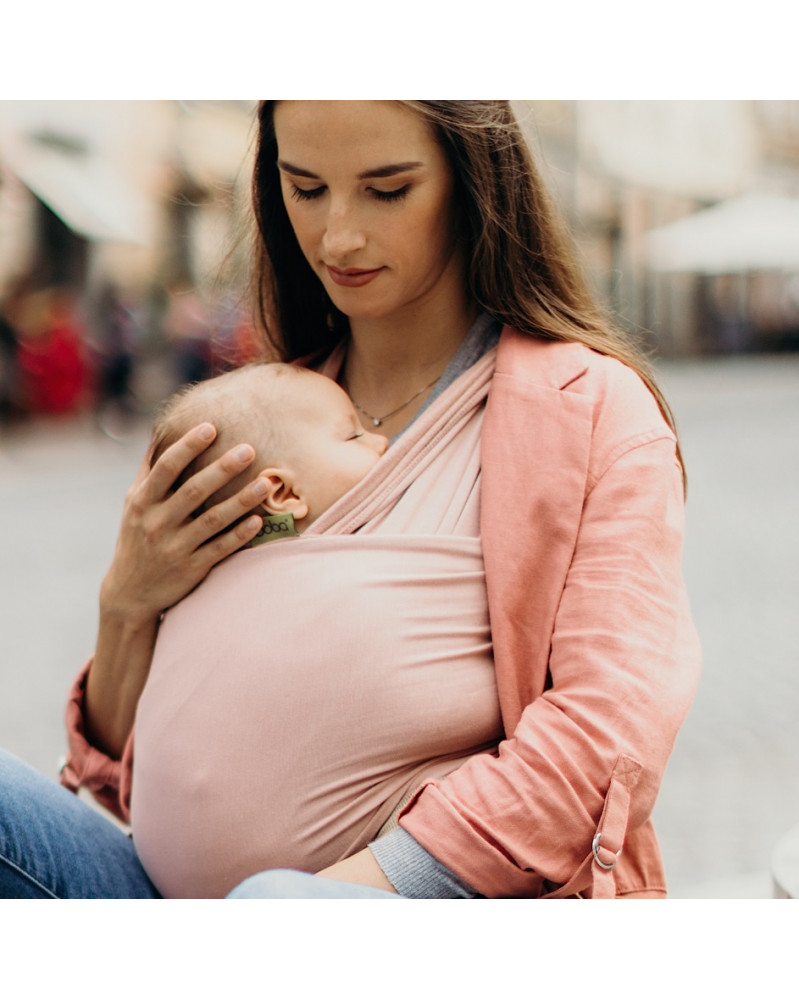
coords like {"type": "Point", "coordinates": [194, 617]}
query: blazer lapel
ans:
{"type": "Point", "coordinates": [535, 450]}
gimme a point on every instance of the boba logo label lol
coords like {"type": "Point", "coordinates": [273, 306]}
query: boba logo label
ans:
{"type": "Point", "coordinates": [271, 529]}
{"type": "Point", "coordinates": [275, 526]}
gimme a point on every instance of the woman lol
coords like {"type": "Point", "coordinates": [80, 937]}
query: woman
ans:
{"type": "Point", "coordinates": [399, 244]}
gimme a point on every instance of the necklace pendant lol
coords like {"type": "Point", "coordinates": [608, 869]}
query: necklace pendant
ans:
{"type": "Point", "coordinates": [376, 421]}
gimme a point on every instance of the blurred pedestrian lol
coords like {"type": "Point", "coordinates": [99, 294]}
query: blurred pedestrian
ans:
{"type": "Point", "coordinates": [234, 342]}
{"type": "Point", "coordinates": [114, 340]}
{"type": "Point", "coordinates": [52, 358]}
{"type": "Point", "coordinates": [10, 401]}
{"type": "Point", "coordinates": [187, 324]}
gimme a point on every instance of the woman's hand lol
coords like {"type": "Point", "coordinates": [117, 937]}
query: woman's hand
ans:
{"type": "Point", "coordinates": [162, 553]}
{"type": "Point", "coordinates": [361, 868]}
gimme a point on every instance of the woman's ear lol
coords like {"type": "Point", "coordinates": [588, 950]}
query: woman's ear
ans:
{"type": "Point", "coordinates": [280, 497]}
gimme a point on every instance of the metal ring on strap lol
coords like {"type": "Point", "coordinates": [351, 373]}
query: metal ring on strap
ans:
{"type": "Point", "coordinates": [595, 852]}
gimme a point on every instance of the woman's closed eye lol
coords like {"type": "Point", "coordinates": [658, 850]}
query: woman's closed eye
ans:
{"type": "Point", "coordinates": [396, 195]}
{"type": "Point", "coordinates": [309, 194]}
{"type": "Point", "coordinates": [300, 194]}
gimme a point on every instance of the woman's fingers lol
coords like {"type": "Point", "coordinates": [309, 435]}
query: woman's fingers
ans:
{"type": "Point", "coordinates": [230, 514]}
{"type": "Point", "coordinates": [181, 504]}
{"type": "Point", "coordinates": [205, 483]}
{"type": "Point", "coordinates": [163, 551]}
{"type": "Point", "coordinates": [226, 543]}
{"type": "Point", "coordinates": [161, 479]}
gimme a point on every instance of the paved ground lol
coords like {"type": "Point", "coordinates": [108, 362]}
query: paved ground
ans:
{"type": "Point", "coordinates": [732, 788]}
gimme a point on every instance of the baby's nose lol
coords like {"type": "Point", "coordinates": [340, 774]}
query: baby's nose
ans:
{"type": "Point", "coordinates": [379, 442]}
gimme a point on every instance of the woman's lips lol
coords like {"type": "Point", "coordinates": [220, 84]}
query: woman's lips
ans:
{"type": "Point", "coordinates": [352, 277]}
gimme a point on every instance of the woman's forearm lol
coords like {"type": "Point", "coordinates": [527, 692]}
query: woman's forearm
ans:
{"type": "Point", "coordinates": [162, 553]}
{"type": "Point", "coordinates": [116, 678]}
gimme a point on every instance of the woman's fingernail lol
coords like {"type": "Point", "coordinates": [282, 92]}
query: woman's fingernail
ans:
{"type": "Point", "coordinates": [206, 432]}
{"type": "Point", "coordinates": [244, 453]}
{"type": "Point", "coordinates": [259, 487]}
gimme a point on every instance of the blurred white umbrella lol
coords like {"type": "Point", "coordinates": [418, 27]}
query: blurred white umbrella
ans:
{"type": "Point", "coordinates": [756, 232]}
{"type": "Point", "coordinates": [87, 193]}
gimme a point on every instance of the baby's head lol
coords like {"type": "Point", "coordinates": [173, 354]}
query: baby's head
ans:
{"type": "Point", "coordinates": [309, 443]}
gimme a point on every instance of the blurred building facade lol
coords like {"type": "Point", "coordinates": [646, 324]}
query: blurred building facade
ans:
{"type": "Point", "coordinates": [139, 210]}
{"type": "Point", "coordinates": [152, 189]}
{"type": "Point", "coordinates": [620, 169]}
{"type": "Point", "coordinates": [126, 222]}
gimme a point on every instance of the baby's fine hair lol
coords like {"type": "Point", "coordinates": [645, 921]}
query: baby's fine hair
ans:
{"type": "Point", "coordinates": [198, 402]}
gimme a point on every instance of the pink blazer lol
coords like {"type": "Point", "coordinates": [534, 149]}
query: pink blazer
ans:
{"type": "Point", "coordinates": [596, 656]}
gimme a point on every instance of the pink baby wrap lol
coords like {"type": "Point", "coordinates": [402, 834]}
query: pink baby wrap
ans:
{"type": "Point", "coordinates": [308, 685]}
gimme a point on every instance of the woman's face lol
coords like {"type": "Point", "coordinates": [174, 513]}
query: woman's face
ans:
{"type": "Point", "coordinates": [368, 191]}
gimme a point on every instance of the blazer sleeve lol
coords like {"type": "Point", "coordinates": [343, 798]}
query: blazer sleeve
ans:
{"type": "Point", "coordinates": [85, 766]}
{"type": "Point", "coordinates": [592, 747]}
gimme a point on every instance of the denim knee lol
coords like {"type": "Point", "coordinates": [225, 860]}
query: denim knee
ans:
{"type": "Point", "coordinates": [283, 883]}
{"type": "Point", "coordinates": [53, 845]}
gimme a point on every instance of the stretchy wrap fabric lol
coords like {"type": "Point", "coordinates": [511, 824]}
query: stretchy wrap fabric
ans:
{"type": "Point", "coordinates": [308, 685]}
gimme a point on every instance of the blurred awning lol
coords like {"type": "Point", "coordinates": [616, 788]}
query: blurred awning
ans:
{"type": "Point", "coordinates": [86, 193]}
{"type": "Point", "coordinates": [755, 232]}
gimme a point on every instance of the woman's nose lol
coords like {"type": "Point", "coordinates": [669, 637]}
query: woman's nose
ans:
{"type": "Point", "coordinates": [342, 235]}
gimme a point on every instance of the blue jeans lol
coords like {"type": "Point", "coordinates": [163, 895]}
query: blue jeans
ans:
{"type": "Point", "coordinates": [55, 846]}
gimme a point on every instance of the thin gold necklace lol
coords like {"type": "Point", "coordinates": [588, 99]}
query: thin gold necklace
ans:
{"type": "Point", "coordinates": [377, 421]}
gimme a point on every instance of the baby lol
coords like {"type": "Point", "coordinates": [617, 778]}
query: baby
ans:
{"type": "Point", "coordinates": [309, 443]}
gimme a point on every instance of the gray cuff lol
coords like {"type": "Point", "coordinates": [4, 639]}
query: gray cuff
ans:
{"type": "Point", "coordinates": [414, 872]}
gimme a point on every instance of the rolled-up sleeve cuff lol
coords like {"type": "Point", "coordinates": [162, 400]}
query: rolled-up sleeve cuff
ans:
{"type": "Point", "coordinates": [87, 767]}
{"type": "Point", "coordinates": [414, 872]}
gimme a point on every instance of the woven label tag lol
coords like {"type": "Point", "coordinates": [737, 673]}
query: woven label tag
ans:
{"type": "Point", "coordinates": [275, 526]}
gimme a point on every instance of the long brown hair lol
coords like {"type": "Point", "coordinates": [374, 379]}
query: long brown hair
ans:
{"type": "Point", "coordinates": [522, 267]}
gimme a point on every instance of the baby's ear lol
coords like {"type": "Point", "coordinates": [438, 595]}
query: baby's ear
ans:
{"type": "Point", "coordinates": [280, 497]}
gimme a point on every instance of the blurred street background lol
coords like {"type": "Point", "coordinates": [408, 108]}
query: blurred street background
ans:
{"type": "Point", "coordinates": [123, 274]}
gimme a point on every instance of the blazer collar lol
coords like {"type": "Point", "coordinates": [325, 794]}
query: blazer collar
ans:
{"type": "Point", "coordinates": [551, 363]}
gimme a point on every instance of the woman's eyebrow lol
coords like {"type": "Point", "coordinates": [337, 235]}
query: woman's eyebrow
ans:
{"type": "Point", "coordinates": [289, 168]}
{"type": "Point", "coordinates": [388, 171]}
